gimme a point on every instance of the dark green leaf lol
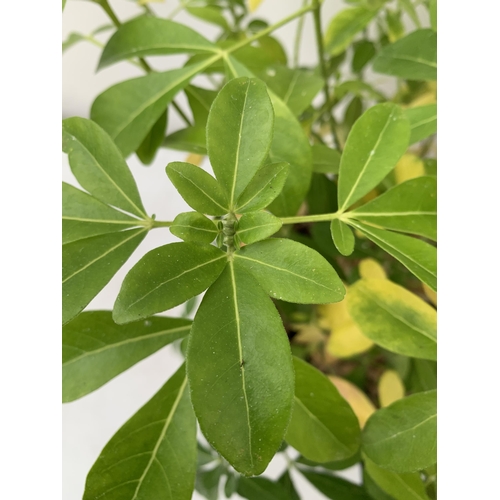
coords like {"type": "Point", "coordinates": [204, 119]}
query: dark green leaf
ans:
{"type": "Point", "coordinates": [423, 122]}
{"type": "Point", "coordinates": [99, 166]}
{"type": "Point", "coordinates": [205, 455]}
{"type": "Point", "coordinates": [410, 207]}
{"type": "Point", "coordinates": [231, 485]}
{"type": "Point", "coordinates": [154, 454]}
{"type": "Point", "coordinates": [423, 376]}
{"type": "Point", "coordinates": [394, 318]}
{"type": "Point", "coordinates": [286, 482]}
{"type": "Point", "coordinates": [152, 36]}
{"type": "Point", "coordinates": [89, 264]}
{"type": "Point", "coordinates": [416, 255]}
{"type": "Point", "coordinates": [199, 189]}
{"type": "Point", "coordinates": [207, 482]}
{"type": "Point", "coordinates": [166, 277]}
{"type": "Point", "coordinates": [413, 57]}
{"type": "Point", "coordinates": [373, 489]}
{"type": "Point", "coordinates": [261, 488]}
{"type": "Point", "coordinates": [210, 13]}
{"type": "Point", "coordinates": [96, 349]}
{"type": "Point", "coordinates": [325, 160]}
{"type": "Point", "coordinates": [153, 141]}
{"type": "Point", "coordinates": [334, 487]}
{"type": "Point", "coordinates": [291, 272]}
{"type": "Point", "coordinates": [239, 134]}
{"type": "Point", "coordinates": [337, 465]}
{"type": "Point", "coordinates": [364, 51]}
{"type": "Point", "coordinates": [403, 436]}
{"type": "Point", "coordinates": [342, 236]}
{"type": "Point", "coordinates": [264, 187]}
{"type": "Point", "coordinates": [195, 227]}
{"type": "Point", "coordinates": [255, 226]}
{"type": "Point", "coordinates": [240, 372]}
{"type": "Point", "coordinates": [376, 142]}
{"type": "Point", "coordinates": [323, 426]}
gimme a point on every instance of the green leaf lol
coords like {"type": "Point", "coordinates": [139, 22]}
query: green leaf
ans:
{"type": "Point", "coordinates": [403, 436]}
{"type": "Point", "coordinates": [264, 187]}
{"type": "Point", "coordinates": [295, 87]}
{"type": "Point", "coordinates": [152, 36]}
{"type": "Point", "coordinates": [129, 110]}
{"type": "Point", "coordinates": [89, 264]}
{"type": "Point", "coordinates": [373, 489]}
{"type": "Point", "coordinates": [153, 141]}
{"type": "Point", "coordinates": [376, 142]}
{"type": "Point", "coordinates": [255, 226]}
{"type": "Point", "coordinates": [207, 482]}
{"type": "Point", "coordinates": [200, 100]}
{"type": "Point", "coordinates": [154, 454]}
{"type": "Point", "coordinates": [433, 14]}
{"type": "Point", "coordinates": [423, 122]}
{"type": "Point", "coordinates": [286, 482]}
{"type": "Point", "coordinates": [394, 318]}
{"type": "Point", "coordinates": [73, 39]}
{"type": "Point", "coordinates": [261, 488]}
{"type": "Point", "coordinates": [195, 227]}
{"type": "Point", "coordinates": [292, 272]}
{"type": "Point", "coordinates": [323, 426]}
{"type": "Point", "coordinates": [345, 26]}
{"type": "Point", "coordinates": [337, 465]}
{"type": "Point", "coordinates": [416, 255]}
{"type": "Point", "coordinates": [240, 372]}
{"type": "Point", "coordinates": [166, 277]}
{"type": "Point", "coordinates": [210, 13]}
{"type": "Point", "coordinates": [96, 349]}
{"type": "Point", "coordinates": [231, 485]}
{"type": "Point", "coordinates": [364, 52]}
{"type": "Point", "coordinates": [359, 89]}
{"type": "Point", "coordinates": [413, 57]}
{"type": "Point", "coordinates": [411, 11]}
{"type": "Point", "coordinates": [191, 139]}
{"type": "Point", "coordinates": [409, 207]}
{"type": "Point", "coordinates": [84, 216]}
{"type": "Point", "coordinates": [325, 160]}
{"type": "Point", "coordinates": [342, 236]}
{"type": "Point", "coordinates": [199, 189]}
{"type": "Point", "coordinates": [239, 133]}
{"type": "Point", "coordinates": [399, 486]}
{"type": "Point", "coordinates": [99, 166]}
{"type": "Point", "coordinates": [63, 4]}
{"type": "Point", "coordinates": [335, 487]}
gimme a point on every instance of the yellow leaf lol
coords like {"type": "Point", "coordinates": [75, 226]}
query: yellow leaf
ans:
{"type": "Point", "coordinates": [309, 334]}
{"type": "Point", "coordinates": [253, 4]}
{"type": "Point", "coordinates": [370, 268]}
{"type": "Point", "coordinates": [347, 341]}
{"type": "Point", "coordinates": [359, 402]}
{"type": "Point", "coordinates": [195, 159]}
{"type": "Point", "coordinates": [431, 294]}
{"type": "Point", "coordinates": [390, 388]}
{"type": "Point", "coordinates": [332, 316]}
{"type": "Point", "coordinates": [408, 167]}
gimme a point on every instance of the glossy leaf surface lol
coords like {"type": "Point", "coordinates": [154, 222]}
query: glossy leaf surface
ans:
{"type": "Point", "coordinates": [394, 318]}
{"type": "Point", "coordinates": [89, 264]}
{"type": "Point", "coordinates": [99, 166]}
{"type": "Point", "coordinates": [342, 236]}
{"type": "Point", "coordinates": [323, 426]}
{"type": "Point", "coordinates": [166, 277]}
{"type": "Point", "coordinates": [194, 227]}
{"type": "Point", "coordinates": [240, 371]}
{"type": "Point", "coordinates": [153, 454]}
{"type": "Point", "coordinates": [292, 272]}
{"type": "Point", "coordinates": [423, 122]}
{"type": "Point", "coordinates": [96, 349]}
{"type": "Point", "coordinates": [376, 142]}
{"type": "Point", "coordinates": [199, 189]}
{"type": "Point", "coordinates": [256, 226]}
{"type": "Point", "coordinates": [410, 207]}
{"type": "Point", "coordinates": [403, 436]}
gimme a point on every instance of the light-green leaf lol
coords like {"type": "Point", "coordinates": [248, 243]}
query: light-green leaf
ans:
{"type": "Point", "coordinates": [84, 216]}
{"type": "Point", "coordinates": [292, 272]}
{"type": "Point", "coordinates": [255, 226]}
{"type": "Point", "coordinates": [433, 14]}
{"type": "Point", "coordinates": [154, 454]}
{"type": "Point", "coordinates": [153, 141]}
{"type": "Point", "coordinates": [345, 26]}
{"type": "Point", "coordinates": [166, 277]}
{"type": "Point", "coordinates": [195, 227]}
{"type": "Point", "coordinates": [342, 236]}
{"type": "Point", "coordinates": [96, 349]}
{"type": "Point", "coordinates": [239, 133]}
{"type": "Point", "coordinates": [423, 122]}
{"type": "Point", "coordinates": [403, 436]}
{"type": "Point", "coordinates": [416, 255]}
{"type": "Point", "coordinates": [152, 36]}
{"type": "Point", "coordinates": [323, 427]}
{"type": "Point", "coordinates": [394, 318]}
{"type": "Point", "coordinates": [90, 263]}
{"type": "Point", "coordinates": [376, 142]}
{"type": "Point", "coordinates": [335, 487]}
{"type": "Point", "coordinates": [210, 13]}
{"type": "Point", "coordinates": [413, 57]}
{"type": "Point", "coordinates": [128, 110]}
{"type": "Point", "coordinates": [325, 160]}
{"type": "Point", "coordinates": [98, 165]}
{"type": "Point", "coordinates": [409, 207]}
{"type": "Point", "coordinates": [264, 187]}
{"type": "Point", "coordinates": [240, 372]}
{"type": "Point", "coordinates": [199, 189]}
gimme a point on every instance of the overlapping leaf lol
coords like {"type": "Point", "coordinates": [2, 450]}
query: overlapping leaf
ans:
{"type": "Point", "coordinates": [256, 226]}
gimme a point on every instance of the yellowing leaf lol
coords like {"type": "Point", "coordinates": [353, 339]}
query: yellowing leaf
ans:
{"type": "Point", "coordinates": [431, 294]}
{"type": "Point", "coordinates": [347, 341]}
{"type": "Point", "coordinates": [390, 388]}
{"type": "Point", "coordinates": [370, 268]}
{"type": "Point", "coordinates": [254, 4]}
{"type": "Point", "coordinates": [358, 401]}
{"type": "Point", "coordinates": [332, 316]}
{"type": "Point", "coordinates": [194, 159]}
{"type": "Point", "coordinates": [309, 334]}
{"type": "Point", "coordinates": [408, 167]}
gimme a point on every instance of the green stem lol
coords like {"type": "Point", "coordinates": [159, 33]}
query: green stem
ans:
{"type": "Point", "coordinates": [109, 11]}
{"type": "Point", "coordinates": [181, 113]}
{"type": "Point", "coordinates": [298, 38]}
{"type": "Point", "coordinates": [162, 223]}
{"type": "Point", "coordinates": [312, 218]}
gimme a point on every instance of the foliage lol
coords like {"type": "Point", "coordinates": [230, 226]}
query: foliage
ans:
{"type": "Point", "coordinates": [313, 240]}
